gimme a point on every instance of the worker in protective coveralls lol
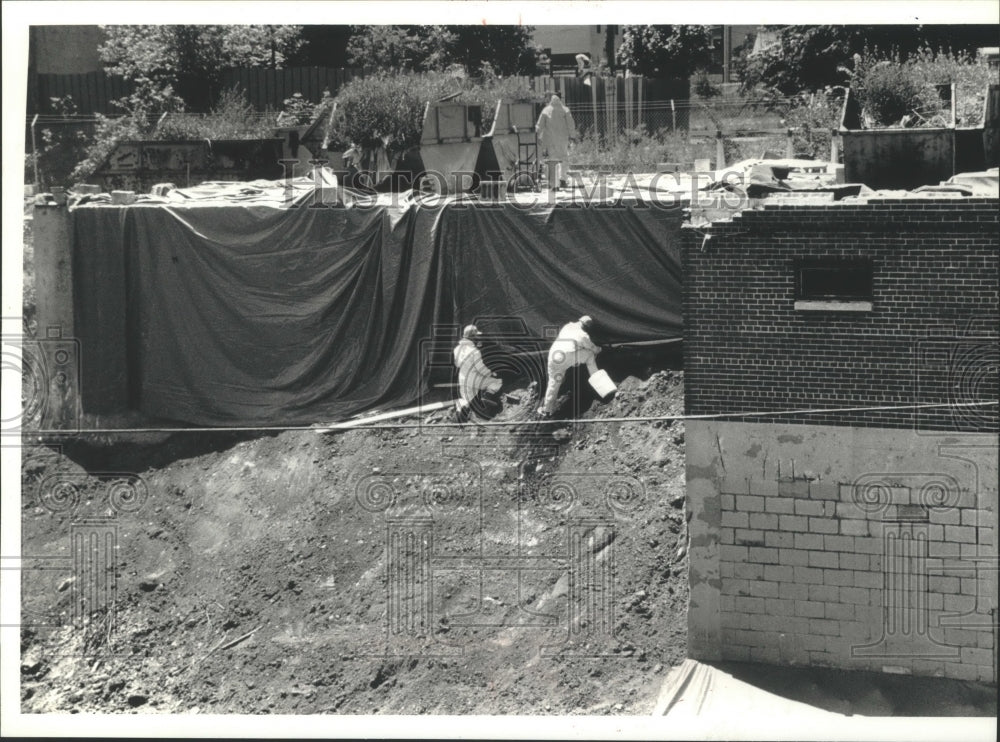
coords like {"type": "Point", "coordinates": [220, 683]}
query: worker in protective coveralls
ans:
{"type": "Point", "coordinates": [555, 128]}
{"type": "Point", "coordinates": [571, 347]}
{"type": "Point", "coordinates": [474, 376]}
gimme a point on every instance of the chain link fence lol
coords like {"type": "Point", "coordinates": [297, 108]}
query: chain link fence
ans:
{"type": "Point", "coordinates": [53, 147]}
{"type": "Point", "coordinates": [682, 132]}
{"type": "Point", "coordinates": [617, 136]}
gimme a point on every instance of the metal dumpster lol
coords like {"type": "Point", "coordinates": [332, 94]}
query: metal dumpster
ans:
{"type": "Point", "coordinates": [137, 165]}
{"type": "Point", "coordinates": [515, 144]}
{"type": "Point", "coordinates": [450, 146]}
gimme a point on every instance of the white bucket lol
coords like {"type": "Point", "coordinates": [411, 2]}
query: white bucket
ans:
{"type": "Point", "coordinates": [603, 384]}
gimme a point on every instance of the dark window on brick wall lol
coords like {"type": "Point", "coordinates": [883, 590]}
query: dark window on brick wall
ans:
{"type": "Point", "coordinates": [834, 280]}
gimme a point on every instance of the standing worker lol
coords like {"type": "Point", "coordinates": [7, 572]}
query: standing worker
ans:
{"type": "Point", "coordinates": [474, 376]}
{"type": "Point", "coordinates": [572, 347]}
{"type": "Point", "coordinates": [555, 128]}
{"type": "Point", "coordinates": [583, 68]}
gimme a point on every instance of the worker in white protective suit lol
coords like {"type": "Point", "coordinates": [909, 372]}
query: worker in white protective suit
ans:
{"type": "Point", "coordinates": [474, 376]}
{"type": "Point", "coordinates": [571, 347]}
{"type": "Point", "coordinates": [555, 129]}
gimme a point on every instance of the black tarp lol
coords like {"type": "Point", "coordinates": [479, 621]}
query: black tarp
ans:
{"type": "Point", "coordinates": [223, 314]}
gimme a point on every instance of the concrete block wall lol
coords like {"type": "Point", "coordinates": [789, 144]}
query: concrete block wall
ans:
{"type": "Point", "coordinates": [882, 557]}
{"type": "Point", "coordinates": [930, 337]}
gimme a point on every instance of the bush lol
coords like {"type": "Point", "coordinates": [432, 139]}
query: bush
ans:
{"type": "Point", "coordinates": [889, 89]}
{"type": "Point", "coordinates": [57, 146]}
{"type": "Point", "coordinates": [705, 88]}
{"type": "Point", "coordinates": [886, 89]}
{"type": "Point", "coordinates": [233, 117]}
{"type": "Point", "coordinates": [143, 107]}
{"type": "Point", "coordinates": [811, 119]}
{"type": "Point", "coordinates": [487, 89]}
{"type": "Point", "coordinates": [297, 111]}
{"type": "Point", "coordinates": [972, 77]}
{"type": "Point", "coordinates": [108, 132]}
{"type": "Point", "coordinates": [637, 151]}
{"type": "Point", "coordinates": [389, 110]}
{"type": "Point", "coordinates": [381, 109]}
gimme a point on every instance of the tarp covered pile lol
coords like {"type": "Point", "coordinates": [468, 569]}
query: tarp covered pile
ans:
{"type": "Point", "coordinates": [231, 308]}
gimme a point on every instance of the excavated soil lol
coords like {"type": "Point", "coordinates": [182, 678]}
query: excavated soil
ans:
{"type": "Point", "coordinates": [530, 569]}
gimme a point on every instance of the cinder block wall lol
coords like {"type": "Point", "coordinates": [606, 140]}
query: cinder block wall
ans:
{"type": "Point", "coordinates": [882, 557]}
{"type": "Point", "coordinates": [861, 540]}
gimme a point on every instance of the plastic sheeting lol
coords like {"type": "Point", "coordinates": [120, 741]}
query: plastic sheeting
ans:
{"type": "Point", "coordinates": [248, 314]}
{"type": "Point", "coordinates": [985, 183]}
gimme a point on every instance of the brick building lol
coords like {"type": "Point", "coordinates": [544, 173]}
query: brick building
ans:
{"type": "Point", "coordinates": [845, 536]}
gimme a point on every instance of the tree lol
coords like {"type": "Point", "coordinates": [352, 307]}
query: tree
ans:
{"type": "Point", "coordinates": [665, 51]}
{"type": "Point", "coordinates": [400, 48]}
{"type": "Point", "coordinates": [507, 49]}
{"type": "Point", "coordinates": [809, 58]}
{"type": "Point", "coordinates": [162, 54]}
{"type": "Point", "coordinates": [169, 66]}
{"type": "Point", "coordinates": [804, 58]}
{"type": "Point", "coordinates": [325, 46]}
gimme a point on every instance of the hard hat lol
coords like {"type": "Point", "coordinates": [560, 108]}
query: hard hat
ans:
{"type": "Point", "coordinates": [470, 331]}
{"type": "Point", "coordinates": [586, 320]}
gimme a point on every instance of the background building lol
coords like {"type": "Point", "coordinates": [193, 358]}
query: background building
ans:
{"type": "Point", "coordinates": [563, 43]}
{"type": "Point", "coordinates": [64, 50]}
{"type": "Point", "coordinates": [600, 43]}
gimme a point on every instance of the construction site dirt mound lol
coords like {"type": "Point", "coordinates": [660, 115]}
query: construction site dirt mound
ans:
{"type": "Point", "coordinates": [533, 568]}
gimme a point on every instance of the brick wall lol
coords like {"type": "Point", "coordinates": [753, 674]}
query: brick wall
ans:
{"type": "Point", "coordinates": [929, 338]}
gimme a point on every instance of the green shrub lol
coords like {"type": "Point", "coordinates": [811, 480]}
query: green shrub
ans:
{"type": "Point", "coordinates": [390, 109]}
{"type": "Point", "coordinates": [811, 118]}
{"type": "Point", "coordinates": [381, 109]}
{"type": "Point", "coordinates": [487, 89]}
{"type": "Point", "coordinates": [738, 148]}
{"type": "Point", "coordinates": [232, 117]}
{"type": "Point", "coordinates": [890, 88]}
{"type": "Point", "coordinates": [637, 151]}
{"type": "Point", "coordinates": [58, 145]}
{"type": "Point", "coordinates": [297, 111]}
{"type": "Point", "coordinates": [972, 77]}
{"type": "Point", "coordinates": [143, 108]}
{"type": "Point", "coordinates": [886, 89]}
{"type": "Point", "coordinates": [108, 132]}
{"type": "Point", "coordinates": [705, 88]}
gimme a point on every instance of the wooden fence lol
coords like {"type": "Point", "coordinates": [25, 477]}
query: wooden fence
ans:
{"type": "Point", "coordinates": [266, 88]}
{"type": "Point", "coordinates": [95, 92]}
{"type": "Point", "coordinates": [92, 92]}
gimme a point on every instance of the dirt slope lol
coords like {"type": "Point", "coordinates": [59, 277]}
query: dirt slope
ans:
{"type": "Point", "coordinates": [419, 570]}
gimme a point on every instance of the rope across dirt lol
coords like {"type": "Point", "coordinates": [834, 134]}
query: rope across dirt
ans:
{"type": "Point", "coordinates": [536, 569]}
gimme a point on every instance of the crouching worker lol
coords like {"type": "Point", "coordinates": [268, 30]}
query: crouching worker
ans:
{"type": "Point", "coordinates": [474, 376]}
{"type": "Point", "coordinates": [571, 347]}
